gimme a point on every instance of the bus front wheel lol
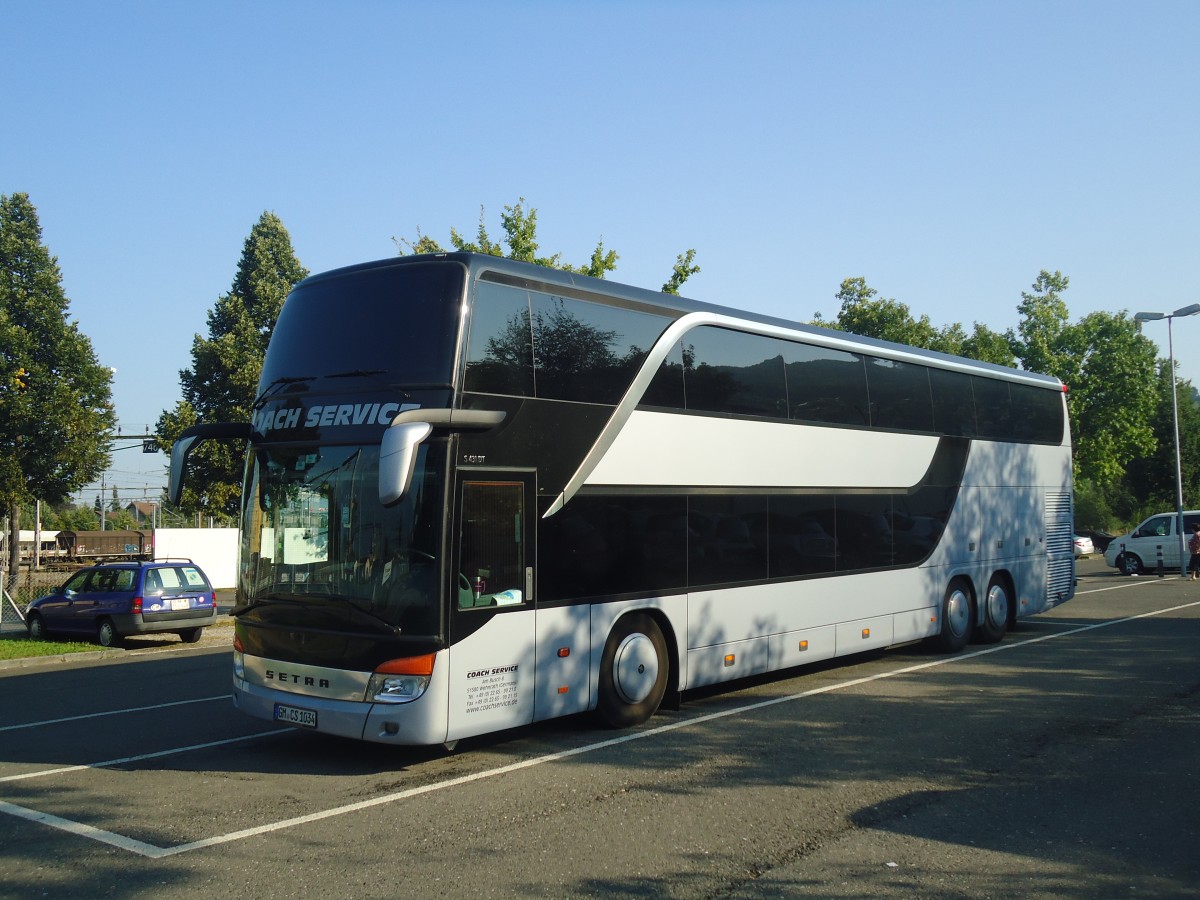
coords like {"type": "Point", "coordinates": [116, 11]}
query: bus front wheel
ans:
{"type": "Point", "coordinates": [633, 672]}
{"type": "Point", "coordinates": [958, 617]}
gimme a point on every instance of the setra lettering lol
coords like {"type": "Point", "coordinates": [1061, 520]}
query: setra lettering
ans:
{"type": "Point", "coordinates": [289, 678]}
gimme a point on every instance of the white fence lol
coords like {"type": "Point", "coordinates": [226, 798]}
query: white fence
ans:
{"type": "Point", "coordinates": [215, 550]}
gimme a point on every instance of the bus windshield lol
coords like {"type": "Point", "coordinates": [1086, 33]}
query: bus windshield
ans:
{"type": "Point", "coordinates": [315, 534]}
{"type": "Point", "coordinates": [363, 323]}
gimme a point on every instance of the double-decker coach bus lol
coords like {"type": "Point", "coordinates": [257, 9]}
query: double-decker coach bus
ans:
{"type": "Point", "coordinates": [481, 493]}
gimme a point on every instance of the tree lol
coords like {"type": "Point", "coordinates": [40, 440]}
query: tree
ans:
{"type": "Point", "coordinates": [1044, 320]}
{"type": "Point", "coordinates": [883, 318]}
{"type": "Point", "coordinates": [1108, 367]}
{"type": "Point", "coordinates": [56, 413]}
{"type": "Point", "coordinates": [223, 380]}
{"type": "Point", "coordinates": [520, 234]}
{"type": "Point", "coordinates": [1151, 476]}
{"type": "Point", "coordinates": [683, 270]}
{"type": "Point", "coordinates": [986, 345]}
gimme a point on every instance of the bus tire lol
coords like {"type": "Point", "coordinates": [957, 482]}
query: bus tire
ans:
{"type": "Point", "coordinates": [997, 604]}
{"type": "Point", "coordinates": [633, 672]}
{"type": "Point", "coordinates": [958, 617]}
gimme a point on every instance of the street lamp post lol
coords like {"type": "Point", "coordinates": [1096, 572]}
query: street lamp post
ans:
{"type": "Point", "coordinates": [1152, 317]}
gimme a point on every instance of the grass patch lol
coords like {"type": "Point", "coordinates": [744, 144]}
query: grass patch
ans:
{"type": "Point", "coordinates": [19, 646]}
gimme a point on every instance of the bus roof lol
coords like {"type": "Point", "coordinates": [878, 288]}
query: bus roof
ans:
{"type": "Point", "coordinates": [585, 287]}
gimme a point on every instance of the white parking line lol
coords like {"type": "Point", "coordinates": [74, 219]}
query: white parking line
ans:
{"type": "Point", "coordinates": [174, 751]}
{"type": "Point", "coordinates": [112, 712]}
{"type": "Point", "coordinates": [154, 852]}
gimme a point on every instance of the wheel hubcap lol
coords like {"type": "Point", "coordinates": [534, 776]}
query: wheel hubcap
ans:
{"type": "Point", "coordinates": [958, 611]}
{"type": "Point", "coordinates": [635, 668]}
{"type": "Point", "coordinates": [997, 606]}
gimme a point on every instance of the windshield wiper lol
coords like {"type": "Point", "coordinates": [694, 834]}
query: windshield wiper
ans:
{"type": "Point", "coordinates": [267, 600]}
{"type": "Point", "coordinates": [391, 626]}
{"type": "Point", "coordinates": [356, 373]}
{"type": "Point", "coordinates": [280, 382]}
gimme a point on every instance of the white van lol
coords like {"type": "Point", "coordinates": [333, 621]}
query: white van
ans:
{"type": "Point", "coordinates": [1139, 550]}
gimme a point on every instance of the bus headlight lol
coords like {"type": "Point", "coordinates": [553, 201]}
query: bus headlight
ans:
{"type": "Point", "coordinates": [400, 680]}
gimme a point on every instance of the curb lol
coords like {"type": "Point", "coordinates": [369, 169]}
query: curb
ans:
{"type": "Point", "coordinates": [124, 654]}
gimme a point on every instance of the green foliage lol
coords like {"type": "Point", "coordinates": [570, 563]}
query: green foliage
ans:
{"type": "Point", "coordinates": [890, 320]}
{"type": "Point", "coordinates": [1109, 367]}
{"type": "Point", "coordinates": [1152, 475]}
{"type": "Point", "coordinates": [1043, 322]}
{"type": "Point", "coordinates": [882, 318]}
{"type": "Point", "coordinates": [56, 413]}
{"type": "Point", "coordinates": [986, 345]}
{"type": "Point", "coordinates": [683, 270]}
{"type": "Point", "coordinates": [520, 236]}
{"type": "Point", "coordinates": [223, 380]}
{"type": "Point", "coordinates": [1092, 509]}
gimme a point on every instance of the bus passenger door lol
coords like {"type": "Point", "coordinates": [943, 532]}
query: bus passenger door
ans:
{"type": "Point", "coordinates": [492, 605]}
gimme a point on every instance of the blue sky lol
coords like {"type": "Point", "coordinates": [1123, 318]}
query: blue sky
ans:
{"type": "Point", "coordinates": [944, 151]}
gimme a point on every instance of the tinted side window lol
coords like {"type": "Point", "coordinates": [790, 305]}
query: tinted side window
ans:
{"type": "Point", "coordinates": [993, 408]}
{"type": "Point", "coordinates": [500, 347]}
{"type": "Point", "coordinates": [953, 403]}
{"type": "Point", "coordinates": [607, 545]}
{"type": "Point", "coordinates": [735, 372]}
{"type": "Point", "coordinates": [1039, 415]}
{"type": "Point", "coordinates": [802, 536]}
{"type": "Point", "coordinates": [727, 539]}
{"type": "Point", "coordinates": [588, 352]}
{"type": "Point", "coordinates": [864, 532]}
{"type": "Point", "coordinates": [900, 396]}
{"type": "Point", "coordinates": [826, 385]}
{"type": "Point", "coordinates": [667, 388]}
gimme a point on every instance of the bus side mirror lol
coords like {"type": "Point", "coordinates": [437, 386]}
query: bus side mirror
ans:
{"type": "Point", "coordinates": [398, 450]}
{"type": "Point", "coordinates": [191, 438]}
{"type": "Point", "coordinates": [398, 457]}
{"type": "Point", "coordinates": [179, 454]}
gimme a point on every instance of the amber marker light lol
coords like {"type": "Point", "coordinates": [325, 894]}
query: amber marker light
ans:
{"type": "Point", "coordinates": [409, 665]}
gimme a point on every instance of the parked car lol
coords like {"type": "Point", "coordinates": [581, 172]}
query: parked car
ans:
{"type": "Point", "coordinates": [1100, 539]}
{"type": "Point", "coordinates": [1156, 538]}
{"type": "Point", "coordinates": [114, 600]}
{"type": "Point", "coordinates": [1083, 546]}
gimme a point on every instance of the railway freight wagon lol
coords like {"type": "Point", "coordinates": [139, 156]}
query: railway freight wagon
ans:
{"type": "Point", "coordinates": [98, 545]}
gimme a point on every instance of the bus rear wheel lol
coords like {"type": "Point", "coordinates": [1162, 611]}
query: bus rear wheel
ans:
{"type": "Point", "coordinates": [958, 617]}
{"type": "Point", "coordinates": [633, 672]}
{"type": "Point", "coordinates": [996, 604]}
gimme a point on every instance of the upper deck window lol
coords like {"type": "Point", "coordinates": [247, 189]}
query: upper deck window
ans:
{"type": "Point", "coordinates": [530, 344]}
